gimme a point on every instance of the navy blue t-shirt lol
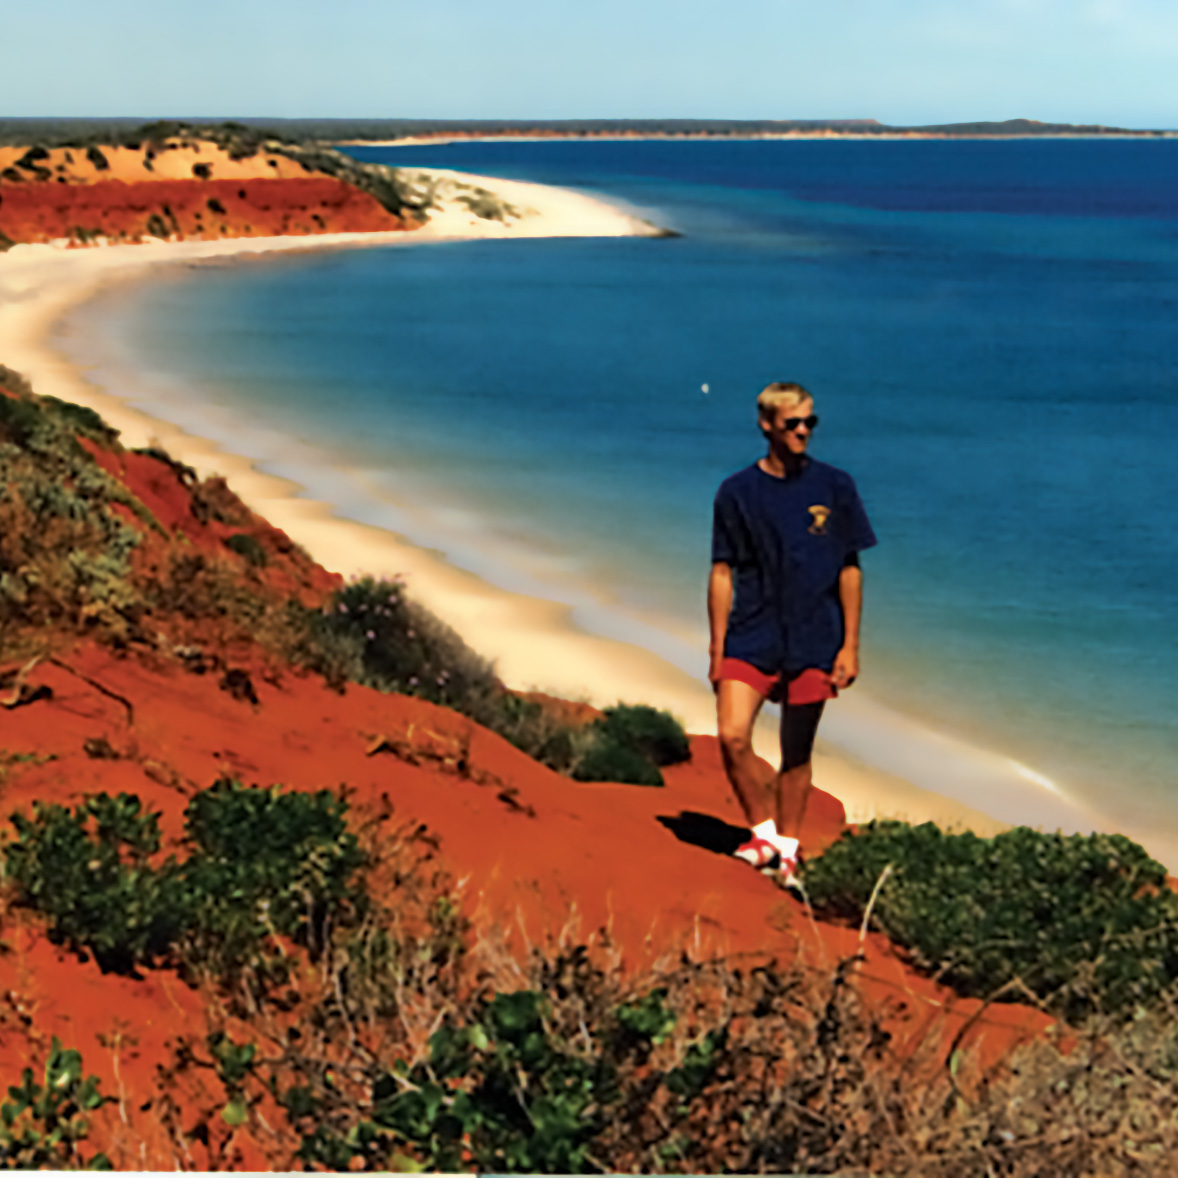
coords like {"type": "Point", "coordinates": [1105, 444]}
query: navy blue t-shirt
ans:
{"type": "Point", "coordinates": [787, 540]}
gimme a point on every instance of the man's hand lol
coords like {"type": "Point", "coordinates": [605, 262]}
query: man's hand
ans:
{"type": "Point", "coordinates": [715, 658]}
{"type": "Point", "coordinates": [846, 667]}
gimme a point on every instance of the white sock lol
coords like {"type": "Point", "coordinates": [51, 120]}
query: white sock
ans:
{"type": "Point", "coordinates": [786, 847]}
{"type": "Point", "coordinates": [766, 830]}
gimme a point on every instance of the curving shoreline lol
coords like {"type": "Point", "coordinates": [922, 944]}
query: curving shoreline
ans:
{"type": "Point", "coordinates": [534, 642]}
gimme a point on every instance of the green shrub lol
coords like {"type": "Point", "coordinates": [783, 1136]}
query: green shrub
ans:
{"type": "Point", "coordinates": [260, 862]}
{"type": "Point", "coordinates": [95, 156]}
{"type": "Point", "coordinates": [81, 419]}
{"type": "Point", "coordinates": [534, 729]}
{"type": "Point", "coordinates": [30, 162]}
{"type": "Point", "coordinates": [372, 633]}
{"type": "Point", "coordinates": [88, 871]}
{"type": "Point", "coordinates": [605, 760]}
{"type": "Point", "coordinates": [1088, 923]}
{"type": "Point", "coordinates": [263, 861]}
{"type": "Point", "coordinates": [500, 1094]}
{"type": "Point", "coordinates": [42, 1123]}
{"type": "Point", "coordinates": [248, 548]}
{"type": "Point", "coordinates": [157, 227]}
{"type": "Point", "coordinates": [64, 553]}
{"type": "Point", "coordinates": [653, 734]}
{"type": "Point", "coordinates": [486, 205]}
{"type": "Point", "coordinates": [398, 646]}
{"type": "Point", "coordinates": [20, 420]}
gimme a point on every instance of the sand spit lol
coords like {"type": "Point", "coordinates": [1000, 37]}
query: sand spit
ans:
{"type": "Point", "coordinates": [534, 641]}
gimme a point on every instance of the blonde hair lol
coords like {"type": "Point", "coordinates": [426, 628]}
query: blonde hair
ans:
{"type": "Point", "coordinates": [780, 395]}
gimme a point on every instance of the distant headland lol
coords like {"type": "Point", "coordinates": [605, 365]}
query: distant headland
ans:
{"type": "Point", "coordinates": [168, 182]}
{"type": "Point", "coordinates": [398, 130]}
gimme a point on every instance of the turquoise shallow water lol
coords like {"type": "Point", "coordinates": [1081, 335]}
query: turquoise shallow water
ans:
{"type": "Point", "coordinates": [988, 329]}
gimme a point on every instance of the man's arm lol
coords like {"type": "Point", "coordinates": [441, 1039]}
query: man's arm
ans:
{"type": "Point", "coordinates": [846, 663]}
{"type": "Point", "coordinates": [719, 607]}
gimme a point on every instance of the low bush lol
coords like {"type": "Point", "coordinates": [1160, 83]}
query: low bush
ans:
{"type": "Point", "coordinates": [372, 633]}
{"type": "Point", "coordinates": [486, 205]}
{"type": "Point", "coordinates": [41, 1123]}
{"type": "Point", "coordinates": [81, 419]}
{"type": "Point", "coordinates": [653, 734]}
{"type": "Point", "coordinates": [605, 760]}
{"type": "Point", "coordinates": [390, 643]}
{"type": "Point", "coordinates": [156, 226]}
{"type": "Point", "coordinates": [248, 548]}
{"type": "Point", "coordinates": [259, 863]}
{"type": "Point", "coordinates": [65, 552]}
{"type": "Point", "coordinates": [88, 871]}
{"type": "Point", "coordinates": [1087, 923]}
{"type": "Point", "coordinates": [505, 1091]}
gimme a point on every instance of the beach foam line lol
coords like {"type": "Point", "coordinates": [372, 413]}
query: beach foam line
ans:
{"type": "Point", "coordinates": [534, 642]}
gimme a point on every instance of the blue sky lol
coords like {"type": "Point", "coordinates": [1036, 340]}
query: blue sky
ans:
{"type": "Point", "coordinates": [900, 61]}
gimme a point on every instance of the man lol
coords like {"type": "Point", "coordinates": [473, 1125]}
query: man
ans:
{"type": "Point", "coordinates": [784, 602]}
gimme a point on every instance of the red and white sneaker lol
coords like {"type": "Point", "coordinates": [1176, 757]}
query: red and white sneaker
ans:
{"type": "Point", "coordinates": [788, 874]}
{"type": "Point", "coordinates": [759, 853]}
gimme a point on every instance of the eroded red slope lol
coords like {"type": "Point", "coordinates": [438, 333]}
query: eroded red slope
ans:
{"type": "Point", "coordinates": [531, 854]}
{"type": "Point", "coordinates": [184, 209]}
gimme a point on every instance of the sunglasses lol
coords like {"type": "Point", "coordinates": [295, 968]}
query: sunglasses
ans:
{"type": "Point", "coordinates": [792, 423]}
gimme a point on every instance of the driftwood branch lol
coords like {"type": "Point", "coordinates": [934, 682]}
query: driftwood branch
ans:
{"type": "Point", "coordinates": [17, 684]}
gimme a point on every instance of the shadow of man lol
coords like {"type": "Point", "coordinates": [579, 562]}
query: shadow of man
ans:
{"type": "Point", "coordinates": [704, 830]}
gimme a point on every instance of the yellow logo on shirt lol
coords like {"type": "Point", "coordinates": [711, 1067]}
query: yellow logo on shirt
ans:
{"type": "Point", "coordinates": [821, 515]}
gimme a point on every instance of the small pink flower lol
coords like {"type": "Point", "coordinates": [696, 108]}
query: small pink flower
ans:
{"type": "Point", "coordinates": [371, 635]}
{"type": "Point", "coordinates": [413, 681]}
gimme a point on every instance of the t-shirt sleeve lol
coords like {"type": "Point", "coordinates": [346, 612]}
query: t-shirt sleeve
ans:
{"type": "Point", "coordinates": [728, 538]}
{"type": "Point", "coordinates": [856, 528]}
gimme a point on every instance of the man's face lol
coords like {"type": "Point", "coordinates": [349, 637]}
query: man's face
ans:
{"type": "Point", "coordinates": [794, 439]}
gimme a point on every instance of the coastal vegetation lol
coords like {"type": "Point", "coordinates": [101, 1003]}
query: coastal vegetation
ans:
{"type": "Point", "coordinates": [364, 1024]}
{"type": "Point", "coordinates": [346, 1007]}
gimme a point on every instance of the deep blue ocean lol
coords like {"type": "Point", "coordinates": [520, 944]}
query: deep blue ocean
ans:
{"type": "Point", "coordinates": [990, 330]}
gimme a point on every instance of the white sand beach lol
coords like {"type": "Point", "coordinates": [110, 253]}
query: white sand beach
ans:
{"type": "Point", "coordinates": [534, 642]}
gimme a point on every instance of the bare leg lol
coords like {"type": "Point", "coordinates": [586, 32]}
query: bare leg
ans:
{"type": "Point", "coordinates": [799, 723]}
{"type": "Point", "coordinates": [753, 782]}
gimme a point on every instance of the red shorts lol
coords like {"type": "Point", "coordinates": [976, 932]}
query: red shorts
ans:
{"type": "Point", "coordinates": [810, 687]}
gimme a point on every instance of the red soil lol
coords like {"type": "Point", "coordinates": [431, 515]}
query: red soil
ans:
{"type": "Point", "coordinates": [163, 492]}
{"type": "Point", "coordinates": [40, 212]}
